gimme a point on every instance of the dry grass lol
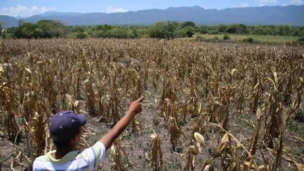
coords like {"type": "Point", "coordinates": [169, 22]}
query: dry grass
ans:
{"type": "Point", "coordinates": [194, 89]}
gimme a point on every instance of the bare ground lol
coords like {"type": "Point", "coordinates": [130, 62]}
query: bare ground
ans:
{"type": "Point", "coordinates": [138, 143]}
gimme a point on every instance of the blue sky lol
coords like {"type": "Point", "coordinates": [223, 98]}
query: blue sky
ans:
{"type": "Point", "coordinates": [26, 8]}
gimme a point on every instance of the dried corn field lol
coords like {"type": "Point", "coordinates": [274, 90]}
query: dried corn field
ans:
{"type": "Point", "coordinates": [207, 106]}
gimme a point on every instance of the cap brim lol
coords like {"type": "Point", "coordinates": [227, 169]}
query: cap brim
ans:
{"type": "Point", "coordinates": [83, 119]}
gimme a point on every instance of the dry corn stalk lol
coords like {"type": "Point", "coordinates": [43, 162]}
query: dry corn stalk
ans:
{"type": "Point", "coordinates": [116, 152]}
{"type": "Point", "coordinates": [7, 104]}
{"type": "Point", "coordinates": [254, 141]}
{"type": "Point", "coordinates": [156, 159]}
{"type": "Point", "coordinates": [207, 165]}
{"type": "Point", "coordinates": [192, 151]}
{"type": "Point", "coordinates": [183, 76]}
{"type": "Point", "coordinates": [200, 124]}
{"type": "Point", "coordinates": [175, 132]}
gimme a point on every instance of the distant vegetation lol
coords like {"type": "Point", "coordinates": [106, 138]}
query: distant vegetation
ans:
{"type": "Point", "coordinates": [246, 38]}
{"type": "Point", "coordinates": [161, 30]}
{"type": "Point", "coordinates": [42, 29]}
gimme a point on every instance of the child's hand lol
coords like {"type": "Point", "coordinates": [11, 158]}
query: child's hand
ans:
{"type": "Point", "coordinates": [135, 106]}
{"type": "Point", "coordinates": [109, 138]}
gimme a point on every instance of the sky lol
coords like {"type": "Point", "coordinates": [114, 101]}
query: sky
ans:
{"type": "Point", "coordinates": [26, 8]}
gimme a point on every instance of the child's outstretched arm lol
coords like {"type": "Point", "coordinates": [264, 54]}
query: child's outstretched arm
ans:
{"type": "Point", "coordinates": [109, 138]}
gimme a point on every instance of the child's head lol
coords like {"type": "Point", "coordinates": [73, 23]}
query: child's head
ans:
{"type": "Point", "coordinates": [66, 128]}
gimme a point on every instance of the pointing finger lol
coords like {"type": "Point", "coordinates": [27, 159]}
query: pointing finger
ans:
{"type": "Point", "coordinates": [141, 99]}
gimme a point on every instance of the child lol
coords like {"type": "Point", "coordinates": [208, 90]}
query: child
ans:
{"type": "Point", "coordinates": [66, 128]}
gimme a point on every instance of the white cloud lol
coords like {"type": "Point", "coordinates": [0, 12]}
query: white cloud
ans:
{"type": "Point", "coordinates": [24, 11]}
{"type": "Point", "coordinates": [296, 2]}
{"type": "Point", "coordinates": [266, 2]}
{"type": "Point", "coordinates": [111, 9]}
{"type": "Point", "coordinates": [242, 5]}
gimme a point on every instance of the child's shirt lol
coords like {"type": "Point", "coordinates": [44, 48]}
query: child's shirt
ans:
{"type": "Point", "coordinates": [73, 161]}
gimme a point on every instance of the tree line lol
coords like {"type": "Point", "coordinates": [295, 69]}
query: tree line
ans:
{"type": "Point", "coordinates": [161, 30]}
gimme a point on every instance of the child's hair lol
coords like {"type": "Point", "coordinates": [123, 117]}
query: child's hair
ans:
{"type": "Point", "coordinates": [64, 144]}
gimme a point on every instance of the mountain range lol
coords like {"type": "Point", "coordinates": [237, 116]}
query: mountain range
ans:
{"type": "Point", "coordinates": [266, 15]}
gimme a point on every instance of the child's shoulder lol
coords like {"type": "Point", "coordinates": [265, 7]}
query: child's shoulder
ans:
{"type": "Point", "coordinates": [39, 162]}
{"type": "Point", "coordinates": [43, 158]}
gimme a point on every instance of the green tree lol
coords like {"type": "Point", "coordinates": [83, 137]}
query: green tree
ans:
{"type": "Point", "coordinates": [301, 33]}
{"type": "Point", "coordinates": [248, 40]}
{"type": "Point", "coordinates": [163, 30]}
{"type": "Point", "coordinates": [269, 30]}
{"type": "Point", "coordinates": [259, 31]}
{"type": "Point", "coordinates": [284, 30]}
{"type": "Point", "coordinates": [231, 30]}
{"type": "Point", "coordinates": [226, 37]}
{"type": "Point", "coordinates": [49, 29]}
{"type": "Point", "coordinates": [222, 28]}
{"type": "Point", "coordinates": [104, 27]}
{"type": "Point", "coordinates": [26, 30]}
{"type": "Point", "coordinates": [81, 35]}
{"type": "Point", "coordinates": [58, 29]}
{"type": "Point", "coordinates": [43, 29]}
{"type": "Point", "coordinates": [180, 33]}
{"type": "Point", "coordinates": [118, 33]}
{"type": "Point", "coordinates": [241, 29]}
{"type": "Point", "coordinates": [188, 24]}
{"type": "Point", "coordinates": [157, 30]}
{"type": "Point", "coordinates": [189, 31]}
{"type": "Point", "coordinates": [77, 29]}
{"type": "Point", "coordinates": [301, 39]}
{"type": "Point", "coordinates": [134, 32]}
